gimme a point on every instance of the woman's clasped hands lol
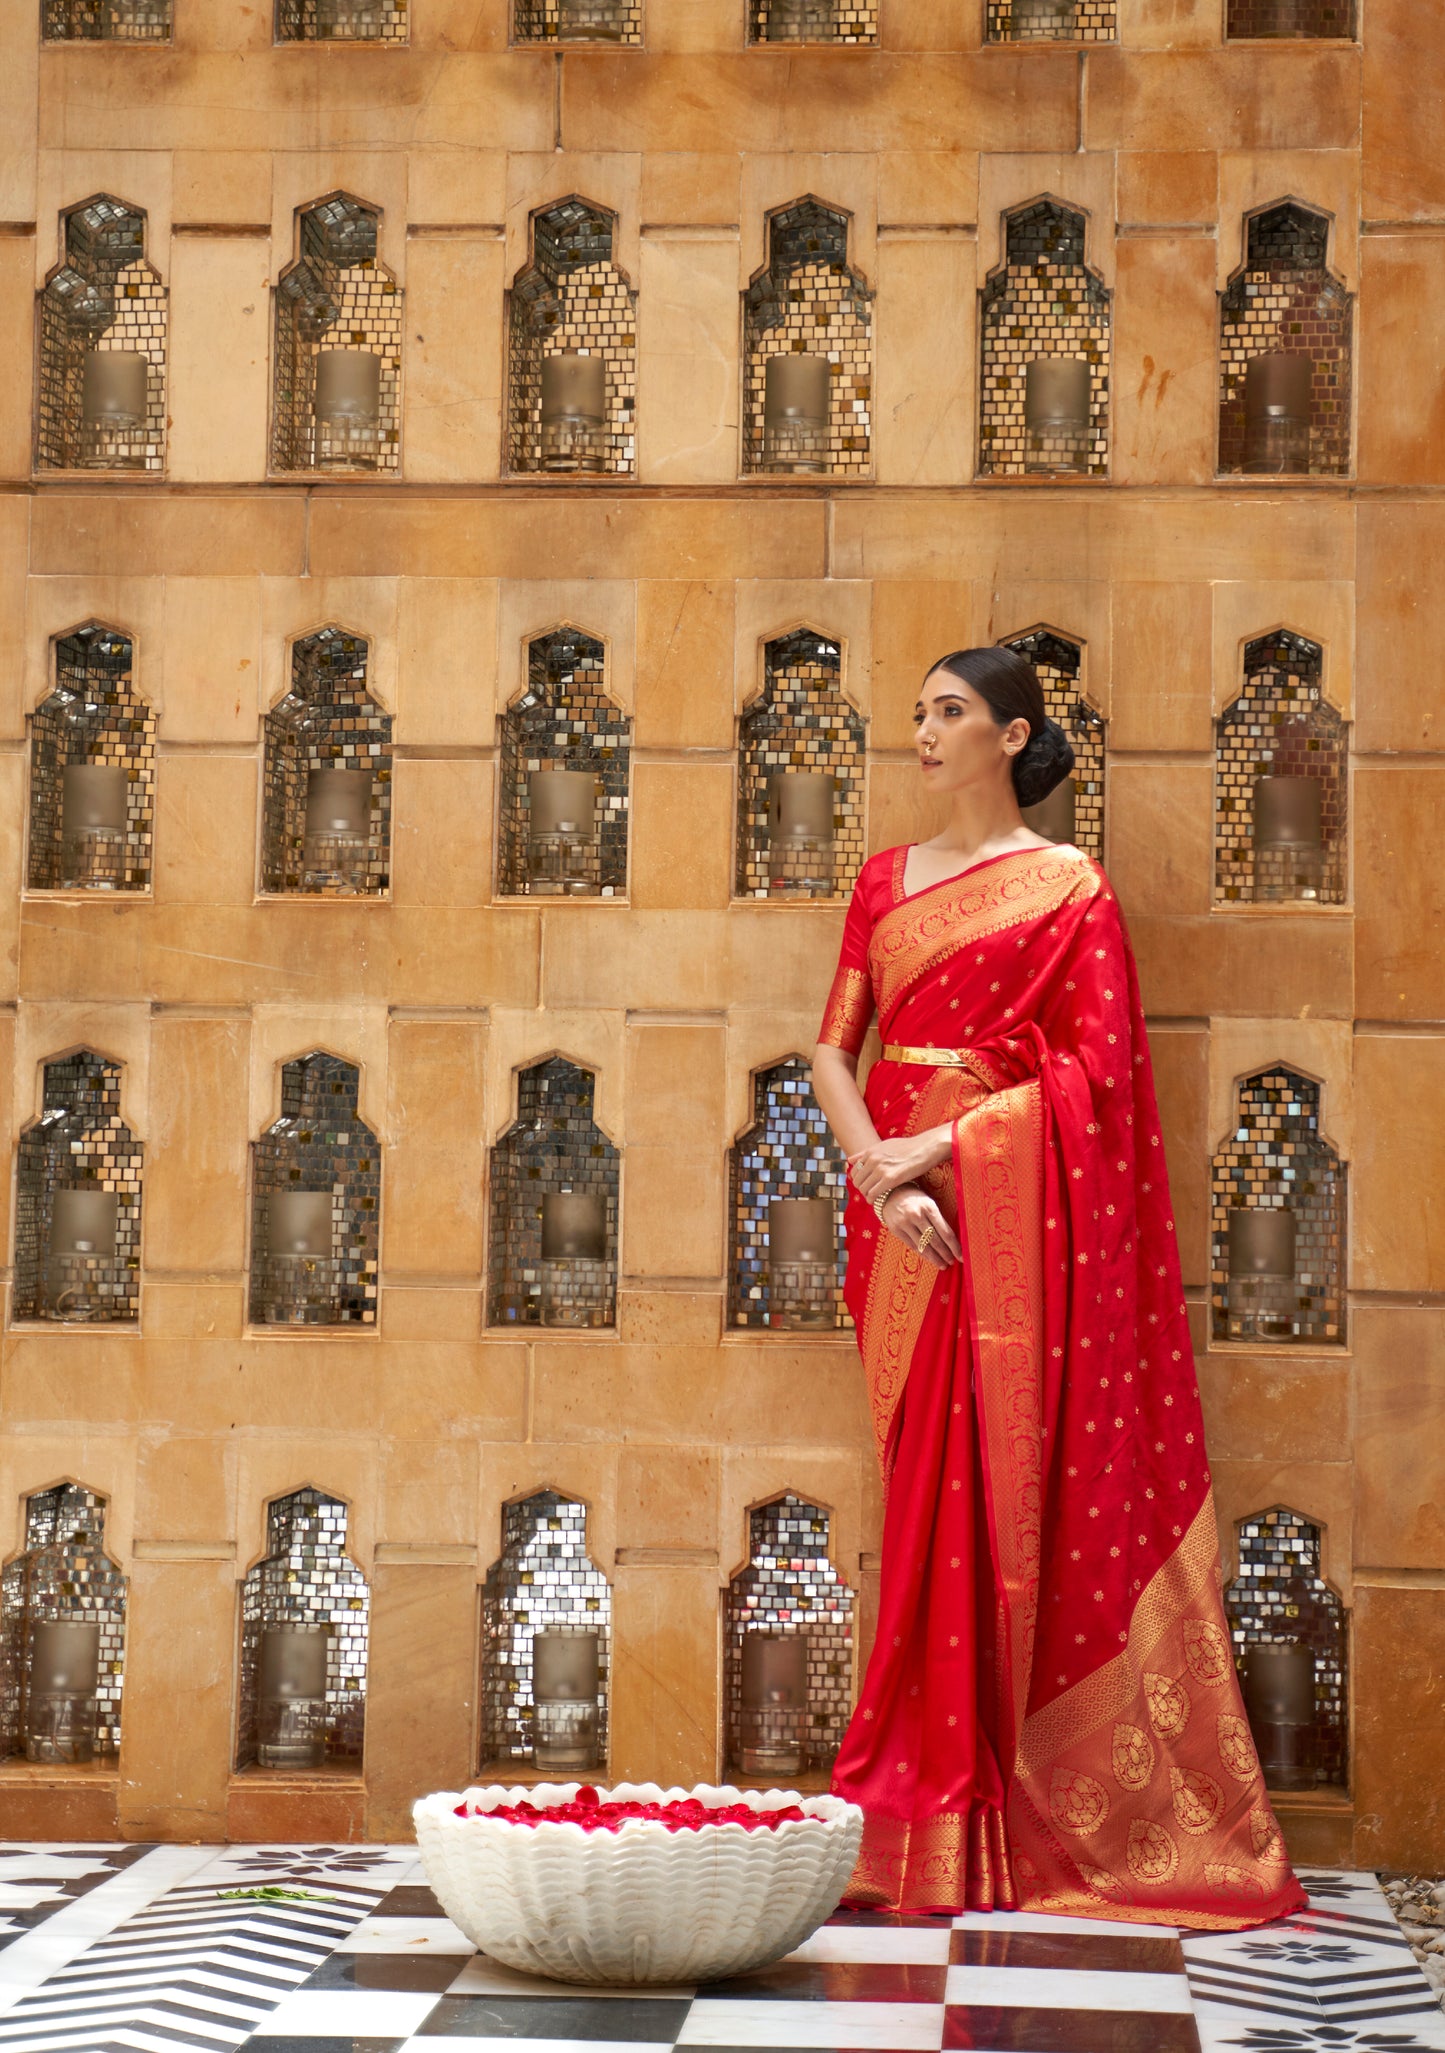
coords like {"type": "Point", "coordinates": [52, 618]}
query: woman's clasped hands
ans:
{"type": "Point", "coordinates": [885, 1170]}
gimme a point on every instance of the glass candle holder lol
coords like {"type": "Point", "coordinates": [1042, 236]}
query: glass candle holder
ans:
{"type": "Point", "coordinates": [336, 853]}
{"type": "Point", "coordinates": [1277, 411]}
{"type": "Point", "coordinates": [574, 412]}
{"type": "Point", "coordinates": [772, 1723]}
{"type": "Point", "coordinates": [574, 1259]}
{"type": "Point", "coordinates": [1054, 816]}
{"type": "Point", "coordinates": [1289, 842]}
{"type": "Point", "coordinates": [802, 1264]}
{"type": "Point", "coordinates": [801, 21]}
{"type": "Point", "coordinates": [113, 410]}
{"type": "Point", "coordinates": [79, 1279]}
{"type": "Point", "coordinates": [797, 396]}
{"type": "Point", "coordinates": [346, 424]}
{"type": "Point", "coordinates": [800, 834]}
{"type": "Point", "coordinates": [564, 853]}
{"type": "Point", "coordinates": [1279, 1696]}
{"type": "Point", "coordinates": [300, 1282]}
{"type": "Point", "coordinates": [291, 1697]}
{"type": "Point", "coordinates": [60, 1698]}
{"type": "Point", "coordinates": [1262, 1296]}
{"type": "Point", "coordinates": [93, 827]}
{"type": "Point", "coordinates": [1056, 415]}
{"type": "Point", "coordinates": [565, 1723]}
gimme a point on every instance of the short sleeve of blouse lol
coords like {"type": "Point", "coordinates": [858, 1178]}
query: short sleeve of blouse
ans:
{"type": "Point", "coordinates": [849, 1011]}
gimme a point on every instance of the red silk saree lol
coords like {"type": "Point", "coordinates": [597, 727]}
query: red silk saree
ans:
{"type": "Point", "coordinates": [1050, 1719]}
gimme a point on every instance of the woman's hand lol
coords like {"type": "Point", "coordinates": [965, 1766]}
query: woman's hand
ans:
{"type": "Point", "coordinates": [909, 1214]}
{"type": "Point", "coordinates": [886, 1164]}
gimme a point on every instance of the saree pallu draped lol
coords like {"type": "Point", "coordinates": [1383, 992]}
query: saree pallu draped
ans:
{"type": "Point", "coordinates": [1051, 1718]}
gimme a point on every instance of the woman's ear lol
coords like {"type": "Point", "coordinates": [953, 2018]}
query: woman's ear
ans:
{"type": "Point", "coordinates": [1016, 736]}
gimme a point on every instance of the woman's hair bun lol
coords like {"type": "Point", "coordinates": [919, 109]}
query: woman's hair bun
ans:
{"type": "Point", "coordinates": [1045, 760]}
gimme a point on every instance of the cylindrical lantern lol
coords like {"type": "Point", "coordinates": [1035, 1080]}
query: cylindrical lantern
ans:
{"type": "Point", "coordinates": [60, 1698]}
{"type": "Point", "coordinates": [291, 1696]}
{"type": "Point", "coordinates": [574, 1259]}
{"type": "Point", "coordinates": [78, 1280]}
{"type": "Point", "coordinates": [113, 386]}
{"type": "Point", "coordinates": [1277, 412]}
{"type": "Point", "coordinates": [347, 409]}
{"type": "Point", "coordinates": [563, 845]}
{"type": "Point", "coordinates": [1056, 414]}
{"type": "Point", "coordinates": [797, 397]}
{"type": "Point", "coordinates": [1289, 839]}
{"type": "Point", "coordinates": [574, 412]}
{"type": "Point", "coordinates": [574, 1225]}
{"type": "Point", "coordinates": [800, 21]}
{"type": "Point", "coordinates": [774, 1691]}
{"type": "Point", "coordinates": [564, 1667]}
{"type": "Point", "coordinates": [298, 1222]}
{"type": "Point", "coordinates": [802, 1264]}
{"type": "Point", "coordinates": [85, 1222]}
{"type": "Point", "coordinates": [1261, 1291]}
{"type": "Point", "coordinates": [800, 834]}
{"type": "Point", "coordinates": [591, 21]}
{"type": "Point", "coordinates": [1054, 816]}
{"type": "Point", "coordinates": [337, 846]}
{"type": "Point", "coordinates": [93, 795]}
{"type": "Point", "coordinates": [299, 1273]}
{"type": "Point", "coordinates": [565, 1670]}
{"type": "Point", "coordinates": [93, 823]}
{"type": "Point", "coordinates": [1279, 1696]}
{"type": "Point", "coordinates": [112, 410]}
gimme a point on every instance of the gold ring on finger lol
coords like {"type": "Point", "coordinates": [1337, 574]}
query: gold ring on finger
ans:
{"type": "Point", "coordinates": [924, 1238]}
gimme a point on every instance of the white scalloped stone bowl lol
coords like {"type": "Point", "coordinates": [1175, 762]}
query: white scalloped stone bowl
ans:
{"type": "Point", "coordinates": [642, 1904]}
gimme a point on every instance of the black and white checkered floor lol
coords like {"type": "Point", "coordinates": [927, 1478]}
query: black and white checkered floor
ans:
{"type": "Point", "coordinates": [143, 1948]}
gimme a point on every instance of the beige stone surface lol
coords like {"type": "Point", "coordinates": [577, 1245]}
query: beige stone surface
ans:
{"type": "Point", "coordinates": [924, 368]}
{"type": "Point", "coordinates": [205, 830]}
{"type": "Point", "coordinates": [1168, 188]}
{"type": "Point", "coordinates": [180, 1689]}
{"type": "Point", "coordinates": [1161, 667]}
{"type": "Point", "coordinates": [689, 374]}
{"type": "Point", "coordinates": [17, 344]}
{"type": "Point", "coordinates": [685, 629]}
{"type": "Point", "coordinates": [1402, 429]}
{"type": "Point", "coordinates": [196, 1172]}
{"type": "Point", "coordinates": [442, 832]}
{"type": "Point", "coordinates": [1166, 399]}
{"type": "Point", "coordinates": [1265, 97]}
{"type": "Point", "coordinates": [1400, 1413]}
{"type": "Point", "coordinates": [1398, 1224]}
{"type": "Point", "coordinates": [764, 101]}
{"type": "Point", "coordinates": [452, 391]}
{"type": "Point", "coordinates": [1399, 895]}
{"type": "Point", "coordinates": [1160, 827]}
{"type": "Point", "coordinates": [432, 1192]}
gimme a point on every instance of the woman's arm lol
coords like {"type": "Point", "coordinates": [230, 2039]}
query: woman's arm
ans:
{"type": "Point", "coordinates": [875, 1165]}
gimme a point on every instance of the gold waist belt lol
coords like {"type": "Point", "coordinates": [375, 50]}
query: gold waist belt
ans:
{"type": "Point", "coordinates": [936, 1058]}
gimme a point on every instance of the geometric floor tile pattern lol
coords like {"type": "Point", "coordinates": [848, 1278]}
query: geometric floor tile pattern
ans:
{"type": "Point", "coordinates": [374, 1967]}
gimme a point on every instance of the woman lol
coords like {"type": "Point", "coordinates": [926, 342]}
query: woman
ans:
{"type": "Point", "coordinates": [1050, 1718]}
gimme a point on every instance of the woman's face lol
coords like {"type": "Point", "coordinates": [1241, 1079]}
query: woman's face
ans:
{"type": "Point", "coordinates": [958, 740]}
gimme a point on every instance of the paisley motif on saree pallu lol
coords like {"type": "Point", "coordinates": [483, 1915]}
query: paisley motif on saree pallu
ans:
{"type": "Point", "coordinates": [999, 1164]}
{"type": "Point", "coordinates": [913, 938]}
{"type": "Point", "coordinates": [1137, 1794]}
